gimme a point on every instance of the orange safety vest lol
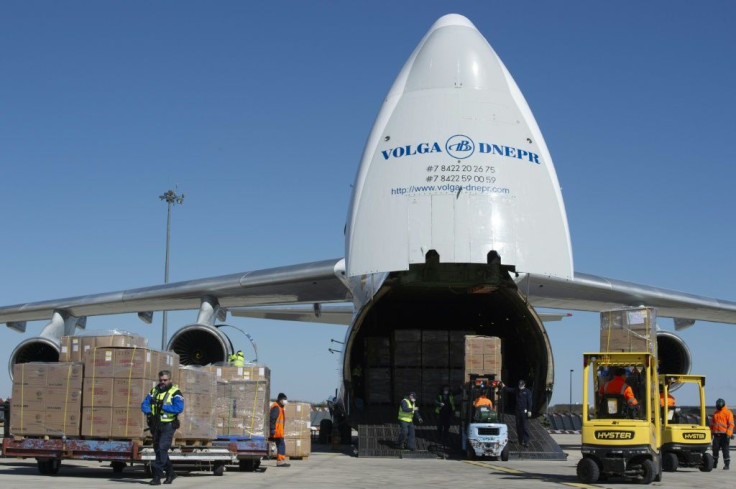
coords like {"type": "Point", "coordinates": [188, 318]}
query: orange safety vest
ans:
{"type": "Point", "coordinates": [483, 401]}
{"type": "Point", "coordinates": [670, 400]}
{"type": "Point", "coordinates": [618, 386]}
{"type": "Point", "coordinates": [278, 431]}
{"type": "Point", "coordinates": [722, 422]}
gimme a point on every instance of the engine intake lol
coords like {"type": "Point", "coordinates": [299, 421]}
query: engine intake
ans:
{"type": "Point", "coordinates": [200, 344]}
{"type": "Point", "coordinates": [37, 349]}
{"type": "Point", "coordinates": [673, 355]}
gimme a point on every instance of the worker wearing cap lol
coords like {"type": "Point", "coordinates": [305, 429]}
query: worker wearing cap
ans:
{"type": "Point", "coordinates": [721, 427]}
{"type": "Point", "coordinates": [407, 410]}
{"type": "Point", "coordinates": [276, 432]}
{"type": "Point", "coordinates": [237, 359]}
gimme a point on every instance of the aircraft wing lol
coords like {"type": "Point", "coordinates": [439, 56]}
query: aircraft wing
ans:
{"type": "Point", "coordinates": [592, 293]}
{"type": "Point", "coordinates": [311, 313]}
{"type": "Point", "coordinates": [304, 283]}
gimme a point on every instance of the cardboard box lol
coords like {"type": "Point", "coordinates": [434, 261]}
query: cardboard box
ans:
{"type": "Point", "coordinates": [130, 392]}
{"type": "Point", "coordinates": [29, 422]}
{"type": "Point", "coordinates": [96, 422]}
{"type": "Point", "coordinates": [378, 385]}
{"type": "Point", "coordinates": [377, 352]}
{"type": "Point", "coordinates": [99, 363]}
{"type": "Point", "coordinates": [63, 422]}
{"type": "Point", "coordinates": [407, 380]}
{"type": "Point", "coordinates": [135, 363]}
{"type": "Point", "coordinates": [241, 407]}
{"type": "Point", "coordinates": [197, 380]}
{"type": "Point", "coordinates": [97, 392]}
{"type": "Point", "coordinates": [73, 348]}
{"type": "Point", "coordinates": [230, 373]}
{"type": "Point", "coordinates": [128, 422]}
{"type": "Point", "coordinates": [58, 397]}
{"type": "Point", "coordinates": [30, 374]}
{"type": "Point", "coordinates": [65, 375]}
{"type": "Point", "coordinates": [407, 354]}
{"type": "Point", "coordinates": [298, 447]}
{"type": "Point", "coordinates": [298, 420]}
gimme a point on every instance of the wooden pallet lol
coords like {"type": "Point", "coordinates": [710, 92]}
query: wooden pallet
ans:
{"type": "Point", "coordinates": [302, 457]}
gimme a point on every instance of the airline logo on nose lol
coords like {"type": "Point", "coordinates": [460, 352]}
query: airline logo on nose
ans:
{"type": "Point", "coordinates": [460, 146]}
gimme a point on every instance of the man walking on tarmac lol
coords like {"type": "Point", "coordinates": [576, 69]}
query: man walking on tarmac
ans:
{"type": "Point", "coordinates": [162, 406]}
{"type": "Point", "coordinates": [721, 427]}
{"type": "Point", "coordinates": [523, 411]}
{"type": "Point", "coordinates": [276, 433]}
{"type": "Point", "coordinates": [444, 406]}
{"type": "Point", "coordinates": [407, 410]}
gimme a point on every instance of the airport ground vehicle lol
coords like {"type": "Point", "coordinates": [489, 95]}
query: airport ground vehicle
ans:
{"type": "Point", "coordinates": [620, 439]}
{"type": "Point", "coordinates": [684, 444]}
{"type": "Point", "coordinates": [483, 434]}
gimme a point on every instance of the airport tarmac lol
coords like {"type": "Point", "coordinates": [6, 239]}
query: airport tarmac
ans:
{"type": "Point", "coordinates": [341, 469]}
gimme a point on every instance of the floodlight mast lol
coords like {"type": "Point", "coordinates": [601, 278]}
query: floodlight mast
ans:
{"type": "Point", "coordinates": [171, 199]}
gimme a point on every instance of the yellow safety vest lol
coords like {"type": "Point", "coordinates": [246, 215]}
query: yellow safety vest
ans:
{"type": "Point", "coordinates": [163, 398]}
{"type": "Point", "coordinates": [403, 415]}
{"type": "Point", "coordinates": [238, 360]}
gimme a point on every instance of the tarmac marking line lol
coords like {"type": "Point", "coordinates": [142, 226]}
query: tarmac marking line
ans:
{"type": "Point", "coordinates": [494, 467]}
{"type": "Point", "coordinates": [581, 486]}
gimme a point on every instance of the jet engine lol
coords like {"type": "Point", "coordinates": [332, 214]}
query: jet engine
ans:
{"type": "Point", "coordinates": [673, 355]}
{"type": "Point", "coordinates": [200, 344]}
{"type": "Point", "coordinates": [36, 349]}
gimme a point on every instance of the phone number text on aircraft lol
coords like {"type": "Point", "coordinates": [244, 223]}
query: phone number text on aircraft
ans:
{"type": "Point", "coordinates": [470, 173]}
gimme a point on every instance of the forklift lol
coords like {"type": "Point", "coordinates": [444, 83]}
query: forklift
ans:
{"type": "Point", "coordinates": [619, 439]}
{"type": "Point", "coordinates": [483, 434]}
{"type": "Point", "coordinates": [684, 444]}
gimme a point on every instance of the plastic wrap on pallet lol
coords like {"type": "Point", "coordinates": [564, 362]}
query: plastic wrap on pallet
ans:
{"type": "Point", "coordinates": [46, 399]}
{"type": "Point", "coordinates": [73, 348]}
{"type": "Point", "coordinates": [482, 355]}
{"type": "Point", "coordinates": [199, 387]}
{"type": "Point", "coordinates": [241, 406]}
{"type": "Point", "coordinates": [298, 447]}
{"type": "Point", "coordinates": [629, 330]}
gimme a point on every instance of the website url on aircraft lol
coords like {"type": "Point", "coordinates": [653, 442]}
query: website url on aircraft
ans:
{"type": "Point", "coordinates": [479, 189]}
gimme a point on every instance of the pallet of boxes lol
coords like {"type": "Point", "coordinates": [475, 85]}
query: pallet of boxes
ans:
{"type": "Point", "coordinates": [96, 389]}
{"type": "Point", "coordinates": [298, 430]}
{"type": "Point", "coordinates": [629, 330]}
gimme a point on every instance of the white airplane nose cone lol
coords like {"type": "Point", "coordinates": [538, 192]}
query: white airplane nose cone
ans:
{"type": "Point", "coordinates": [455, 54]}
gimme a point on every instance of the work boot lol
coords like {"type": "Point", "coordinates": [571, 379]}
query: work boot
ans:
{"type": "Point", "coordinates": [156, 481]}
{"type": "Point", "coordinates": [725, 467]}
{"type": "Point", "coordinates": [170, 478]}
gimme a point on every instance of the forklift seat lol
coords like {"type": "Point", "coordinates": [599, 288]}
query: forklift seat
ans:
{"type": "Point", "coordinates": [612, 406]}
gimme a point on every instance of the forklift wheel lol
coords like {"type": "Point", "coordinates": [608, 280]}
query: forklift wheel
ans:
{"type": "Point", "coordinates": [505, 454]}
{"type": "Point", "coordinates": [588, 470]}
{"type": "Point", "coordinates": [648, 472]}
{"type": "Point", "coordinates": [469, 452]}
{"type": "Point", "coordinates": [669, 462]}
{"type": "Point", "coordinates": [707, 463]}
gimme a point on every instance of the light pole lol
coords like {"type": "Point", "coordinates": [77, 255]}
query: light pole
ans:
{"type": "Point", "coordinates": [171, 199]}
{"type": "Point", "coordinates": [571, 371]}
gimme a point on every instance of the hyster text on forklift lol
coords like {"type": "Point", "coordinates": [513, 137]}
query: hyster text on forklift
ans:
{"type": "Point", "coordinates": [684, 444]}
{"type": "Point", "coordinates": [621, 435]}
{"type": "Point", "coordinates": [483, 434]}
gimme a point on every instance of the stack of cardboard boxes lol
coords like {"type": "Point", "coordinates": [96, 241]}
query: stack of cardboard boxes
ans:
{"type": "Point", "coordinates": [482, 356]}
{"type": "Point", "coordinates": [242, 401]}
{"type": "Point", "coordinates": [47, 399]}
{"type": "Point", "coordinates": [116, 380]}
{"type": "Point", "coordinates": [199, 387]}
{"type": "Point", "coordinates": [298, 429]}
{"type": "Point", "coordinates": [73, 348]}
{"type": "Point", "coordinates": [629, 330]}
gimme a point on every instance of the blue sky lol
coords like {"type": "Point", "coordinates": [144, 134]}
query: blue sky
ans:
{"type": "Point", "coordinates": [259, 112]}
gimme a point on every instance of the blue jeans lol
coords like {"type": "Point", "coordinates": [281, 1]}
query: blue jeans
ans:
{"type": "Point", "coordinates": [406, 434]}
{"type": "Point", "coordinates": [161, 444]}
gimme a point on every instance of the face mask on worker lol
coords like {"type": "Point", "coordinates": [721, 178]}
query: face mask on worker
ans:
{"type": "Point", "coordinates": [284, 402]}
{"type": "Point", "coordinates": [445, 392]}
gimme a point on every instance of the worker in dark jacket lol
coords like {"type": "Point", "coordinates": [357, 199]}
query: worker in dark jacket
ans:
{"type": "Point", "coordinates": [523, 411]}
{"type": "Point", "coordinates": [162, 406]}
{"type": "Point", "coordinates": [276, 432]}
{"type": "Point", "coordinates": [444, 406]}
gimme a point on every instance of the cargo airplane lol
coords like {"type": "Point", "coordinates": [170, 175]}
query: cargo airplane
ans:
{"type": "Point", "coordinates": [456, 223]}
